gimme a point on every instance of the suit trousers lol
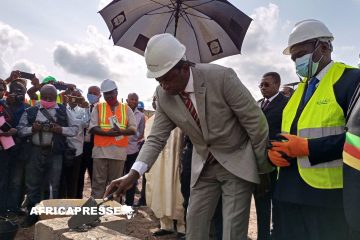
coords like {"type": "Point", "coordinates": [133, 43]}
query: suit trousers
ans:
{"type": "Point", "coordinates": [215, 181]}
{"type": "Point", "coordinates": [104, 171]}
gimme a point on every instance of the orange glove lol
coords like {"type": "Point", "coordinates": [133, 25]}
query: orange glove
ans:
{"type": "Point", "coordinates": [294, 147]}
{"type": "Point", "coordinates": [276, 159]}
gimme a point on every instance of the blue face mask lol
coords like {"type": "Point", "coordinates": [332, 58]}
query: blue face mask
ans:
{"type": "Point", "coordinates": [92, 98]}
{"type": "Point", "coordinates": [302, 65]}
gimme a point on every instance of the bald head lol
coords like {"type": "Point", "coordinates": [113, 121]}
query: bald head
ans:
{"type": "Point", "coordinates": [132, 100]}
{"type": "Point", "coordinates": [48, 93]}
{"type": "Point", "coordinates": [95, 90]}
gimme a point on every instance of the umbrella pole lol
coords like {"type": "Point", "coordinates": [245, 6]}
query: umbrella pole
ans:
{"type": "Point", "coordinates": [177, 11]}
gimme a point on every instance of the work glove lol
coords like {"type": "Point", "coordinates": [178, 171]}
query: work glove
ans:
{"type": "Point", "coordinates": [294, 147]}
{"type": "Point", "coordinates": [277, 159]}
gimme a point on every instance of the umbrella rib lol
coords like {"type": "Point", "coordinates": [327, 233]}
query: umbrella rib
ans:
{"type": "Point", "coordinates": [192, 27]}
{"type": "Point", "coordinates": [163, 5]}
{"type": "Point", "coordinates": [169, 21]}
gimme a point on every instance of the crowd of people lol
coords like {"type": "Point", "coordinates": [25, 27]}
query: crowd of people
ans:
{"type": "Point", "coordinates": [205, 153]}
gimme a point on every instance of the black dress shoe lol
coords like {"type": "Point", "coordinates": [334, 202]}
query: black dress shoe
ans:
{"type": "Point", "coordinates": [180, 236]}
{"type": "Point", "coordinates": [162, 232]}
{"type": "Point", "coordinates": [29, 221]}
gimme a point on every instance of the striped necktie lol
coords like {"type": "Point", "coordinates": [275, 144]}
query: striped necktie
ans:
{"type": "Point", "coordinates": [190, 106]}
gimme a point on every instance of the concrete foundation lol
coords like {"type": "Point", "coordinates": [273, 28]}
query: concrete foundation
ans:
{"type": "Point", "coordinates": [57, 228]}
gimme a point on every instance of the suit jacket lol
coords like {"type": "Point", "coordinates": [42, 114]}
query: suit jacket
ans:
{"type": "Point", "coordinates": [273, 114]}
{"type": "Point", "coordinates": [233, 127]}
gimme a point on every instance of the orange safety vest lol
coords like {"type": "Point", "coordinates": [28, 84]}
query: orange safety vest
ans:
{"type": "Point", "coordinates": [104, 113]}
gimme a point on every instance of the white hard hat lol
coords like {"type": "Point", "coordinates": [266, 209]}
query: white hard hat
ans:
{"type": "Point", "coordinates": [108, 85]}
{"type": "Point", "coordinates": [306, 30]}
{"type": "Point", "coordinates": [162, 53]}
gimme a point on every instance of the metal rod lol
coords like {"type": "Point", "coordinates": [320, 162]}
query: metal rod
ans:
{"type": "Point", "coordinates": [178, 4]}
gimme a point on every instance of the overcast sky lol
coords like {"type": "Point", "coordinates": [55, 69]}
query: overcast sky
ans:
{"type": "Point", "coordinates": [69, 40]}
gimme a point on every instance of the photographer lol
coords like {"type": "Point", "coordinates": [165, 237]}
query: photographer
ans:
{"type": "Point", "coordinates": [32, 92]}
{"type": "Point", "coordinates": [47, 125]}
{"type": "Point", "coordinates": [18, 153]}
{"type": "Point", "coordinates": [71, 167]}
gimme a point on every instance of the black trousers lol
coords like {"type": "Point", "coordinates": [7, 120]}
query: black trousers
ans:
{"type": "Point", "coordinates": [86, 164]}
{"type": "Point", "coordinates": [130, 194]}
{"type": "Point", "coordinates": [300, 222]}
{"type": "Point", "coordinates": [69, 179]}
{"type": "Point", "coordinates": [264, 212]}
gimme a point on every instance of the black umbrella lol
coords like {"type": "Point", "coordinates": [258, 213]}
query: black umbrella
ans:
{"type": "Point", "coordinates": [210, 29]}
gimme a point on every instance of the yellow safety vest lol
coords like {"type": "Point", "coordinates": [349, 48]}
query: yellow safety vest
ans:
{"type": "Point", "coordinates": [322, 116]}
{"type": "Point", "coordinates": [59, 99]}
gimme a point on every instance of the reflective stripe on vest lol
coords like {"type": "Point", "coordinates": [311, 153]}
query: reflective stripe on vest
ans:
{"type": "Point", "coordinates": [104, 113]}
{"type": "Point", "coordinates": [322, 116]}
{"type": "Point", "coordinates": [59, 99]}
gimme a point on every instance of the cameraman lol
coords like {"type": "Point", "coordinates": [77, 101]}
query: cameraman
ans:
{"type": "Point", "coordinates": [17, 154]}
{"type": "Point", "coordinates": [71, 167]}
{"type": "Point", "coordinates": [47, 125]}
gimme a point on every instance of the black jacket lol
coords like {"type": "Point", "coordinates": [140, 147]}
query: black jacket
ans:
{"type": "Point", "coordinates": [273, 114]}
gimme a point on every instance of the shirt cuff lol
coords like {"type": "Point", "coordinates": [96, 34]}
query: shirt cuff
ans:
{"type": "Point", "coordinates": [140, 167]}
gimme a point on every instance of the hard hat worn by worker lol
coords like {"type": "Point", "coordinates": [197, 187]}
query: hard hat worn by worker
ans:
{"type": "Point", "coordinates": [140, 105]}
{"type": "Point", "coordinates": [162, 53]}
{"type": "Point", "coordinates": [108, 85]}
{"type": "Point", "coordinates": [307, 30]}
{"type": "Point", "coordinates": [48, 79]}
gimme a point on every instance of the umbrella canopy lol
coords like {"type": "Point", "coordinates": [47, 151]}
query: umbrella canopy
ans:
{"type": "Point", "coordinates": [210, 29]}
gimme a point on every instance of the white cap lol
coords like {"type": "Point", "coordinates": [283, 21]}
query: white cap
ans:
{"type": "Point", "coordinates": [108, 85]}
{"type": "Point", "coordinates": [162, 53]}
{"type": "Point", "coordinates": [306, 30]}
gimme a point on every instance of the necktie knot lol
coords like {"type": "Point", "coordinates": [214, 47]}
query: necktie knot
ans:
{"type": "Point", "coordinates": [265, 104]}
{"type": "Point", "coordinates": [185, 95]}
{"type": "Point", "coordinates": [311, 88]}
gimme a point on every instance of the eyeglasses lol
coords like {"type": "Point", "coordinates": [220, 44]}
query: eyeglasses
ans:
{"type": "Point", "coordinates": [264, 85]}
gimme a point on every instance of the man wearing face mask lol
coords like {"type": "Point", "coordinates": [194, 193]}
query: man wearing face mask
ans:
{"type": "Point", "coordinates": [111, 123]}
{"type": "Point", "coordinates": [47, 126]}
{"type": "Point", "coordinates": [309, 187]}
{"type": "Point", "coordinates": [93, 97]}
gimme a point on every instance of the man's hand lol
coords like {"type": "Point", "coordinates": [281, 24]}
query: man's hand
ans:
{"type": "Point", "coordinates": [13, 76]}
{"type": "Point", "coordinates": [121, 185]}
{"type": "Point", "coordinates": [56, 129]}
{"type": "Point", "coordinates": [35, 82]}
{"type": "Point", "coordinates": [11, 132]}
{"type": "Point", "coordinates": [84, 105]}
{"type": "Point", "coordinates": [277, 159]}
{"type": "Point", "coordinates": [36, 127]}
{"type": "Point", "coordinates": [294, 147]}
{"type": "Point", "coordinates": [114, 132]}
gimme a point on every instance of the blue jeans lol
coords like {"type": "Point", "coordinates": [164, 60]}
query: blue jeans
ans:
{"type": "Point", "coordinates": [43, 166]}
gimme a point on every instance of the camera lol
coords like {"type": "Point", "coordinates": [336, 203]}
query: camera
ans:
{"type": "Point", "coordinates": [46, 126]}
{"type": "Point", "coordinates": [27, 75]}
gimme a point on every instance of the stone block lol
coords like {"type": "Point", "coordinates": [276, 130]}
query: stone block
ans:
{"type": "Point", "coordinates": [53, 229]}
{"type": "Point", "coordinates": [98, 233]}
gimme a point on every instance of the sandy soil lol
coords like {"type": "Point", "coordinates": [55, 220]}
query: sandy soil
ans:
{"type": "Point", "coordinates": [141, 226]}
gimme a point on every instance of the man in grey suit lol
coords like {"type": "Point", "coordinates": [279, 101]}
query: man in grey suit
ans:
{"type": "Point", "coordinates": [227, 128]}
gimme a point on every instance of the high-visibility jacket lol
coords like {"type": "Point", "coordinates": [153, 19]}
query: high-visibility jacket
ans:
{"type": "Point", "coordinates": [322, 116]}
{"type": "Point", "coordinates": [33, 102]}
{"type": "Point", "coordinates": [104, 113]}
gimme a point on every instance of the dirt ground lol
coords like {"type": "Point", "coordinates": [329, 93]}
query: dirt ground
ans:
{"type": "Point", "coordinates": [142, 225]}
